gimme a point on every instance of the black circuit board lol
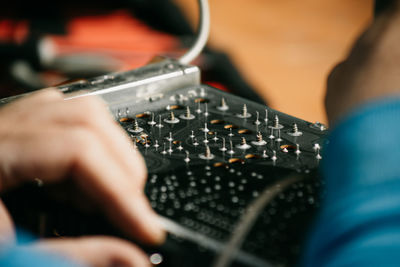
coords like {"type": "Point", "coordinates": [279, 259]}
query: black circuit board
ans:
{"type": "Point", "coordinates": [210, 154]}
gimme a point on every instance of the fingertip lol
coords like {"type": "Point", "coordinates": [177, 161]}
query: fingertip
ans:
{"type": "Point", "coordinates": [145, 222]}
{"type": "Point", "coordinates": [158, 232]}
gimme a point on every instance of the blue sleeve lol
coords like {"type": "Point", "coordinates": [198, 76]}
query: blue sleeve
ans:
{"type": "Point", "coordinates": [22, 255]}
{"type": "Point", "coordinates": [359, 222]}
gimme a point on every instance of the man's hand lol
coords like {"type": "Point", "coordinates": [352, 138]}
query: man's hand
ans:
{"type": "Point", "coordinates": [44, 136]}
{"type": "Point", "coordinates": [372, 69]}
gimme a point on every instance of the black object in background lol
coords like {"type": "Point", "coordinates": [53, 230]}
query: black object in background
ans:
{"type": "Point", "coordinates": [380, 5]}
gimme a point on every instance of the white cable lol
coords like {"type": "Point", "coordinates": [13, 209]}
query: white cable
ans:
{"type": "Point", "coordinates": [202, 33]}
{"type": "Point", "coordinates": [241, 230]}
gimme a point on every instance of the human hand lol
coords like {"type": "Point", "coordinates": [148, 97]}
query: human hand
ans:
{"type": "Point", "coordinates": [44, 136]}
{"type": "Point", "coordinates": [371, 70]}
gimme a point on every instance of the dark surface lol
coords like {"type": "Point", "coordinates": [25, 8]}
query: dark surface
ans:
{"type": "Point", "coordinates": [207, 197]}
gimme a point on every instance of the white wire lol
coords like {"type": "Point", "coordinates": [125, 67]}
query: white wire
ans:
{"type": "Point", "coordinates": [248, 219]}
{"type": "Point", "coordinates": [202, 33]}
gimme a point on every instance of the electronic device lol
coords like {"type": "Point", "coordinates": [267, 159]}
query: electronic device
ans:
{"type": "Point", "coordinates": [234, 182]}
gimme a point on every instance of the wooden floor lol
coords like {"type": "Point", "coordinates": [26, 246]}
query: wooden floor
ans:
{"type": "Point", "coordinates": [286, 48]}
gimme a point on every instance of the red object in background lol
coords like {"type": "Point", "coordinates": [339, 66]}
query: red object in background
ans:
{"type": "Point", "coordinates": [13, 31]}
{"type": "Point", "coordinates": [218, 85]}
{"type": "Point", "coordinates": [118, 35]}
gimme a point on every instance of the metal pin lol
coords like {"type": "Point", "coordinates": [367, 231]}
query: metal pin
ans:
{"type": "Point", "coordinates": [172, 119]}
{"type": "Point", "coordinates": [188, 115]}
{"type": "Point", "coordinates": [202, 92]}
{"type": "Point", "coordinates": [295, 130]}
{"type": "Point", "coordinates": [264, 155]}
{"type": "Point", "coordinates": [170, 150]}
{"type": "Point", "coordinates": [198, 110]}
{"type": "Point", "coordinates": [195, 143]}
{"type": "Point", "coordinates": [180, 147]}
{"type": "Point", "coordinates": [169, 138]}
{"type": "Point", "coordinates": [205, 129]}
{"type": "Point", "coordinates": [152, 122]}
{"type": "Point", "coordinates": [223, 106]}
{"type": "Point", "coordinates": [146, 144]}
{"type": "Point", "coordinates": [206, 110]}
{"type": "Point", "coordinates": [276, 124]}
{"type": "Point", "coordinates": [156, 145]}
{"type": "Point", "coordinates": [192, 135]}
{"type": "Point", "coordinates": [215, 138]}
{"type": "Point", "coordinates": [257, 122]}
{"type": "Point", "coordinates": [316, 147]}
{"type": "Point", "coordinates": [127, 111]}
{"type": "Point", "coordinates": [187, 159]}
{"type": "Point", "coordinates": [205, 138]}
{"type": "Point", "coordinates": [244, 111]}
{"type": "Point", "coordinates": [244, 114]}
{"type": "Point", "coordinates": [318, 126]}
{"type": "Point", "coordinates": [119, 114]}
{"type": "Point", "coordinates": [260, 141]}
{"type": "Point", "coordinates": [230, 132]}
{"type": "Point", "coordinates": [266, 116]}
{"type": "Point", "coordinates": [164, 151]}
{"type": "Point", "coordinates": [318, 156]}
{"type": "Point", "coordinates": [136, 128]}
{"type": "Point", "coordinates": [279, 139]}
{"type": "Point", "coordinates": [276, 121]}
{"type": "Point", "coordinates": [274, 157]}
{"type": "Point", "coordinates": [231, 151]}
{"type": "Point", "coordinates": [243, 144]}
{"type": "Point", "coordinates": [271, 136]}
{"type": "Point", "coordinates": [297, 152]}
{"type": "Point", "coordinates": [207, 154]}
{"type": "Point", "coordinates": [159, 125]}
{"type": "Point", "coordinates": [223, 148]}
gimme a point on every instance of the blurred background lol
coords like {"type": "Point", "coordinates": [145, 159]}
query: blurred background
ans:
{"type": "Point", "coordinates": [278, 52]}
{"type": "Point", "coordinates": [285, 49]}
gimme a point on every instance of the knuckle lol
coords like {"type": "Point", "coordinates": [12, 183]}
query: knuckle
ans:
{"type": "Point", "coordinates": [81, 141]}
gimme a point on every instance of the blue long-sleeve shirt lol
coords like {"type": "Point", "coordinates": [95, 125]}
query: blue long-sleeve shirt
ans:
{"type": "Point", "coordinates": [359, 224]}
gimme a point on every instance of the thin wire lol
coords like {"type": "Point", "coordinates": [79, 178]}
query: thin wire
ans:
{"type": "Point", "coordinates": [202, 34]}
{"type": "Point", "coordinates": [248, 219]}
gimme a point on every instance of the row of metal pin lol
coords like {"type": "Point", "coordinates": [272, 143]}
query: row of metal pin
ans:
{"type": "Point", "coordinates": [208, 156]}
{"type": "Point", "coordinates": [223, 107]}
{"type": "Point", "coordinates": [243, 145]}
{"type": "Point", "coordinates": [173, 120]}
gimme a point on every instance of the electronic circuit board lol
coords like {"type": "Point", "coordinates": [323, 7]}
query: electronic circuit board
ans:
{"type": "Point", "coordinates": [231, 179]}
{"type": "Point", "coordinates": [211, 154]}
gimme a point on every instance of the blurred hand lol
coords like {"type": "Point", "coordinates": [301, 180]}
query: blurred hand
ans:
{"type": "Point", "coordinates": [44, 136]}
{"type": "Point", "coordinates": [372, 69]}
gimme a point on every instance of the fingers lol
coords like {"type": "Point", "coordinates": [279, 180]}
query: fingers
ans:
{"type": "Point", "coordinates": [59, 151]}
{"type": "Point", "coordinates": [91, 113]}
{"type": "Point", "coordinates": [79, 139]}
{"type": "Point", "coordinates": [21, 108]}
{"type": "Point", "coordinates": [96, 251]}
